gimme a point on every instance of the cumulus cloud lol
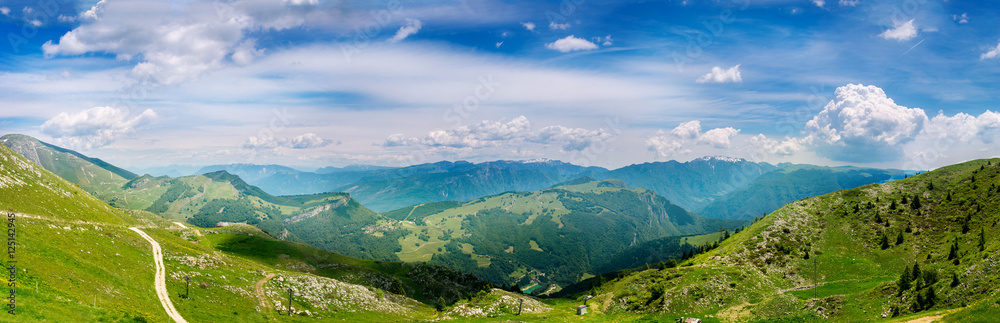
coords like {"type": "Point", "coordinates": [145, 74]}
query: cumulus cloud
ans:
{"type": "Point", "coordinates": [687, 130]}
{"type": "Point", "coordinates": [499, 133]}
{"type": "Point", "coordinates": [173, 45]}
{"type": "Point", "coordinates": [962, 19]}
{"type": "Point", "coordinates": [412, 27]}
{"type": "Point", "coordinates": [246, 52]}
{"type": "Point", "coordinates": [901, 31]}
{"type": "Point", "coordinates": [849, 3]}
{"type": "Point", "coordinates": [994, 53]}
{"type": "Point", "coordinates": [554, 26]}
{"type": "Point", "coordinates": [718, 137]}
{"type": "Point", "coordinates": [571, 43]}
{"type": "Point", "coordinates": [787, 147]}
{"type": "Point", "coordinates": [604, 41]}
{"type": "Point", "coordinates": [687, 134]}
{"type": "Point", "coordinates": [665, 146]}
{"type": "Point", "coordinates": [819, 3]}
{"type": "Point", "coordinates": [95, 127]}
{"type": "Point", "coordinates": [5, 11]}
{"type": "Point", "coordinates": [863, 124]}
{"type": "Point", "coordinates": [719, 75]}
{"type": "Point", "coordinates": [304, 141]}
{"type": "Point", "coordinates": [528, 25]}
{"type": "Point", "coordinates": [964, 128]}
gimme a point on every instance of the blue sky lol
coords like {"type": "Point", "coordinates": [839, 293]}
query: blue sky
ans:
{"type": "Point", "coordinates": [310, 83]}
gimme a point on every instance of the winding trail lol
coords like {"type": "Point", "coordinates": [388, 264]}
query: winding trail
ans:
{"type": "Point", "coordinates": [160, 279]}
{"type": "Point", "coordinates": [259, 288]}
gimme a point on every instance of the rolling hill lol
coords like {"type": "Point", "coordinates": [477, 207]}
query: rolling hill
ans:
{"type": "Point", "coordinates": [79, 261]}
{"type": "Point", "coordinates": [543, 239]}
{"type": "Point", "coordinates": [908, 248]}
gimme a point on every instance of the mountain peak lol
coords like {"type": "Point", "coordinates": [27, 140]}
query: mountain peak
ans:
{"type": "Point", "coordinates": [721, 158]}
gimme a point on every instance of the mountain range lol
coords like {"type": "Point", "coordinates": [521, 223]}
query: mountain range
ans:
{"type": "Point", "coordinates": [919, 247]}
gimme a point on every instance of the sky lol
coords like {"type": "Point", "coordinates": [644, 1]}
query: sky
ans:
{"type": "Point", "coordinates": [905, 84]}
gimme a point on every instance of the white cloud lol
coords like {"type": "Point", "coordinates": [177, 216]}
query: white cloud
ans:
{"type": "Point", "coordinates": [604, 41]}
{"type": "Point", "coordinates": [245, 52]}
{"type": "Point", "coordinates": [554, 26]}
{"type": "Point", "coordinates": [789, 146]}
{"type": "Point", "coordinates": [35, 22]}
{"type": "Point", "coordinates": [499, 44]}
{"type": "Point", "coordinates": [962, 19]}
{"type": "Point", "coordinates": [571, 43]}
{"type": "Point", "coordinates": [718, 75]}
{"type": "Point", "coordinates": [308, 141]}
{"type": "Point", "coordinates": [664, 146]}
{"type": "Point", "coordinates": [302, 2]}
{"type": "Point", "coordinates": [994, 53]}
{"type": "Point", "coordinates": [412, 27]}
{"type": "Point", "coordinates": [172, 45]}
{"type": "Point", "coordinates": [515, 132]}
{"type": "Point", "coordinates": [304, 141]}
{"type": "Point", "coordinates": [687, 130]}
{"type": "Point", "coordinates": [94, 12]}
{"type": "Point", "coordinates": [964, 127]}
{"type": "Point", "coordinates": [688, 134]}
{"type": "Point", "coordinates": [819, 3]}
{"type": "Point", "coordinates": [528, 25]}
{"type": "Point", "coordinates": [66, 19]}
{"type": "Point", "coordinates": [901, 31]}
{"type": "Point", "coordinates": [863, 124]}
{"type": "Point", "coordinates": [849, 3]}
{"type": "Point", "coordinates": [718, 137]}
{"type": "Point", "coordinates": [5, 11]}
{"type": "Point", "coordinates": [95, 127]}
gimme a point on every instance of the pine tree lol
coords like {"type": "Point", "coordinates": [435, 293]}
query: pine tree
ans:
{"type": "Point", "coordinates": [982, 239]}
{"type": "Point", "coordinates": [929, 297]}
{"type": "Point", "coordinates": [916, 271]}
{"type": "Point", "coordinates": [899, 238]}
{"type": "Point", "coordinates": [954, 280]}
{"type": "Point", "coordinates": [930, 186]}
{"type": "Point", "coordinates": [953, 253]}
{"type": "Point", "coordinates": [904, 281]}
{"type": "Point", "coordinates": [916, 202]}
{"type": "Point", "coordinates": [806, 257]}
{"type": "Point", "coordinates": [892, 206]}
{"type": "Point", "coordinates": [439, 306]}
{"type": "Point", "coordinates": [949, 196]}
{"type": "Point", "coordinates": [884, 242]}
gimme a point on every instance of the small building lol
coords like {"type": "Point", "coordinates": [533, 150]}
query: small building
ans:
{"type": "Point", "coordinates": [582, 309]}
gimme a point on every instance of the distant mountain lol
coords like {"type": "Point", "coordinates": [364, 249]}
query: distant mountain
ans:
{"type": "Point", "coordinates": [350, 168]}
{"type": "Point", "coordinates": [789, 183]}
{"type": "Point", "coordinates": [282, 180]}
{"type": "Point", "coordinates": [543, 239]}
{"type": "Point", "coordinates": [459, 181]}
{"type": "Point", "coordinates": [170, 170]}
{"type": "Point", "coordinates": [693, 184]}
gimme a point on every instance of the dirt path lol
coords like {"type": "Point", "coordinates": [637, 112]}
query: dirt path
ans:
{"type": "Point", "coordinates": [160, 279]}
{"type": "Point", "coordinates": [926, 319]}
{"type": "Point", "coordinates": [260, 291]}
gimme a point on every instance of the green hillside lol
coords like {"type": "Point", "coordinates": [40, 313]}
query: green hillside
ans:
{"type": "Point", "coordinates": [92, 174]}
{"type": "Point", "coordinates": [78, 261]}
{"type": "Point", "coordinates": [855, 250]}
{"type": "Point", "coordinates": [542, 240]}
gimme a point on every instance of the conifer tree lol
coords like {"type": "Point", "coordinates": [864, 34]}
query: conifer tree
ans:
{"type": "Point", "coordinates": [904, 281]}
{"type": "Point", "coordinates": [982, 239]}
{"type": "Point", "coordinates": [884, 242]}
{"type": "Point", "coordinates": [916, 202]}
{"type": "Point", "coordinates": [954, 280]}
{"type": "Point", "coordinates": [899, 238]}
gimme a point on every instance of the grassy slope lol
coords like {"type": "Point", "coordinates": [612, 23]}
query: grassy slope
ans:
{"type": "Point", "coordinates": [543, 215]}
{"type": "Point", "coordinates": [754, 274]}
